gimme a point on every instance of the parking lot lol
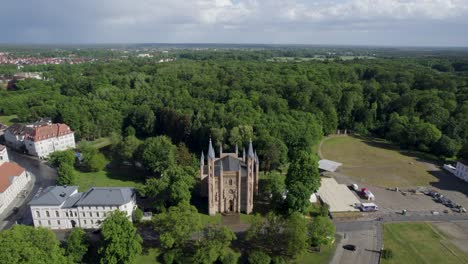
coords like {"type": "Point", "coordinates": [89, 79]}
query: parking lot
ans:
{"type": "Point", "coordinates": [391, 202]}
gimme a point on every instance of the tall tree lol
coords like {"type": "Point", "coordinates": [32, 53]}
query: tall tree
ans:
{"type": "Point", "coordinates": [77, 245]}
{"type": "Point", "coordinates": [26, 244]}
{"type": "Point", "coordinates": [120, 241]}
{"type": "Point", "coordinates": [158, 154]}
{"type": "Point", "coordinates": [177, 225]}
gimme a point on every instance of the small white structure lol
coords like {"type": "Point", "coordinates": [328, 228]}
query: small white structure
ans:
{"type": "Point", "coordinates": [313, 198]}
{"type": "Point", "coordinates": [338, 196]}
{"type": "Point", "coordinates": [40, 138]}
{"type": "Point", "coordinates": [462, 170]}
{"type": "Point", "coordinates": [450, 168]}
{"type": "Point", "coordinates": [63, 207]}
{"type": "Point", "coordinates": [329, 165]}
{"type": "Point", "coordinates": [13, 179]}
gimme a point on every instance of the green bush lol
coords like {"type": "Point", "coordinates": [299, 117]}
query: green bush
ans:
{"type": "Point", "coordinates": [387, 254]}
{"type": "Point", "coordinates": [259, 257]}
{"type": "Point", "coordinates": [138, 215]}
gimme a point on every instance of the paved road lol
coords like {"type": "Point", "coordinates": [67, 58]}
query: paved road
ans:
{"type": "Point", "coordinates": [45, 176]}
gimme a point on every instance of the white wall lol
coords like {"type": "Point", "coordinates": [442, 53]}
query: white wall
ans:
{"type": "Point", "coordinates": [44, 147]}
{"type": "Point", "coordinates": [84, 216]}
{"type": "Point", "coordinates": [462, 171]}
{"type": "Point", "coordinates": [18, 184]}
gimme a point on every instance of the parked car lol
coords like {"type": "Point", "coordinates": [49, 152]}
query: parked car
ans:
{"type": "Point", "coordinates": [350, 247]}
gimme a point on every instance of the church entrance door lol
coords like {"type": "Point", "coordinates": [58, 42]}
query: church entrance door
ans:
{"type": "Point", "coordinates": [231, 206]}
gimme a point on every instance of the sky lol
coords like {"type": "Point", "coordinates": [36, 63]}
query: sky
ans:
{"type": "Point", "coordinates": [338, 22]}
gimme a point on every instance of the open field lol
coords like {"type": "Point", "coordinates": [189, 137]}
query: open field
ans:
{"type": "Point", "coordinates": [419, 243]}
{"type": "Point", "coordinates": [119, 177]}
{"type": "Point", "coordinates": [149, 256]}
{"type": "Point", "coordinates": [100, 142]}
{"type": "Point", "coordinates": [377, 162]}
{"type": "Point", "coordinates": [8, 120]}
{"type": "Point", "coordinates": [322, 257]}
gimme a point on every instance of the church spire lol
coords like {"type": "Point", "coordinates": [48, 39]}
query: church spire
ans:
{"type": "Point", "coordinates": [251, 151]}
{"type": "Point", "coordinates": [237, 150]}
{"type": "Point", "coordinates": [211, 153]}
{"type": "Point", "coordinates": [202, 158]}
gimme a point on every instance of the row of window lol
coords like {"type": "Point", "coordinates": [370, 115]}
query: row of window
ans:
{"type": "Point", "coordinates": [74, 214]}
{"type": "Point", "coordinates": [49, 222]}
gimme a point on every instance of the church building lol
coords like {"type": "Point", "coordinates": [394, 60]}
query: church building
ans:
{"type": "Point", "coordinates": [229, 180]}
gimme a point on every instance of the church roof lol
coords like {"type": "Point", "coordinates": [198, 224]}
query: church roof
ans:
{"type": "Point", "coordinates": [230, 163]}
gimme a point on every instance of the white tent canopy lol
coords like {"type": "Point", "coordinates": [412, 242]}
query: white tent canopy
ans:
{"type": "Point", "coordinates": [329, 165]}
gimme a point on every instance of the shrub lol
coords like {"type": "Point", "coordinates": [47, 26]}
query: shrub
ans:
{"type": "Point", "coordinates": [387, 254]}
{"type": "Point", "coordinates": [259, 257]}
{"type": "Point", "coordinates": [138, 215]}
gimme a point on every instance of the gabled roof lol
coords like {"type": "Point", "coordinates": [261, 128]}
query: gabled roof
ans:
{"type": "Point", "coordinates": [230, 163]}
{"type": "Point", "coordinates": [54, 195]}
{"type": "Point", "coordinates": [329, 165]}
{"type": "Point", "coordinates": [106, 196]}
{"type": "Point", "coordinates": [9, 170]}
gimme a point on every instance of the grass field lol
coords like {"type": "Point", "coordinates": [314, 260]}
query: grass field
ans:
{"type": "Point", "coordinates": [322, 257]}
{"type": "Point", "coordinates": [100, 142]}
{"type": "Point", "coordinates": [121, 177]}
{"type": "Point", "coordinates": [376, 162]}
{"type": "Point", "coordinates": [149, 256]}
{"type": "Point", "coordinates": [8, 120]}
{"type": "Point", "coordinates": [419, 243]}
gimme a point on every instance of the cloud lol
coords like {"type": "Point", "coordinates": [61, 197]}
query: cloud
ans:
{"type": "Point", "coordinates": [260, 21]}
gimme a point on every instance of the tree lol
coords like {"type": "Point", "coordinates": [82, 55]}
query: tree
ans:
{"type": "Point", "coordinates": [77, 245]}
{"type": "Point", "coordinates": [66, 175]}
{"type": "Point", "coordinates": [275, 188]}
{"type": "Point", "coordinates": [26, 244]}
{"type": "Point", "coordinates": [295, 234]}
{"type": "Point", "coordinates": [229, 256]}
{"type": "Point", "coordinates": [138, 215]}
{"type": "Point", "coordinates": [321, 231]}
{"type": "Point", "coordinates": [93, 160]}
{"type": "Point", "coordinates": [259, 257]}
{"type": "Point", "coordinates": [446, 147]}
{"type": "Point", "coordinates": [302, 180]}
{"type": "Point", "coordinates": [214, 243]}
{"type": "Point", "coordinates": [142, 118]}
{"type": "Point", "coordinates": [120, 241]}
{"type": "Point", "coordinates": [176, 225]}
{"type": "Point", "coordinates": [158, 154]}
{"type": "Point", "coordinates": [57, 158]}
{"type": "Point", "coordinates": [97, 162]}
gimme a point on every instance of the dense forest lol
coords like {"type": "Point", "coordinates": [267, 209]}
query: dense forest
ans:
{"type": "Point", "coordinates": [284, 107]}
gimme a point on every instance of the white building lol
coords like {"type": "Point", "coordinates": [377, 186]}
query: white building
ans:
{"type": "Point", "coordinates": [63, 207]}
{"type": "Point", "coordinates": [461, 171]}
{"type": "Point", "coordinates": [40, 138]}
{"type": "Point", "coordinates": [13, 179]}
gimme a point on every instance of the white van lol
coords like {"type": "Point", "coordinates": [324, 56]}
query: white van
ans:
{"type": "Point", "coordinates": [368, 207]}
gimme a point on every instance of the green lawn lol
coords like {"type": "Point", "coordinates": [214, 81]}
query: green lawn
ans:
{"type": "Point", "coordinates": [377, 162]}
{"type": "Point", "coordinates": [118, 177]}
{"type": "Point", "coordinates": [322, 257]}
{"type": "Point", "coordinates": [148, 257]}
{"type": "Point", "coordinates": [8, 120]}
{"type": "Point", "coordinates": [208, 219]}
{"type": "Point", "coordinates": [100, 142]}
{"type": "Point", "coordinates": [419, 243]}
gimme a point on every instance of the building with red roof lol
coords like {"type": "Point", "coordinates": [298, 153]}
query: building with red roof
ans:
{"type": "Point", "coordinates": [40, 138]}
{"type": "Point", "coordinates": [13, 179]}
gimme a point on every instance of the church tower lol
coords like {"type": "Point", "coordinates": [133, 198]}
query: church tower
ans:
{"type": "Point", "coordinates": [250, 178]}
{"type": "Point", "coordinates": [212, 190]}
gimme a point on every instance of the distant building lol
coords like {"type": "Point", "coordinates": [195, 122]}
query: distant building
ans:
{"type": "Point", "coordinates": [40, 138]}
{"type": "Point", "coordinates": [13, 179]}
{"type": "Point", "coordinates": [63, 207]}
{"type": "Point", "coordinates": [229, 181]}
{"type": "Point", "coordinates": [461, 171]}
